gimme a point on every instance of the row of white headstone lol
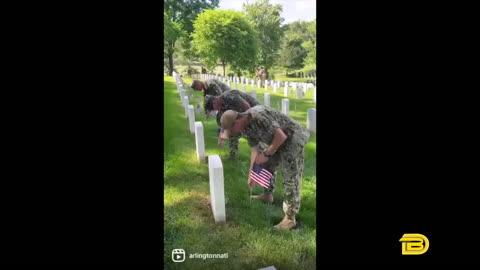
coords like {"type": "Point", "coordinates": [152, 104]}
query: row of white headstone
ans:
{"type": "Point", "coordinates": [301, 88]}
{"type": "Point", "coordinates": [215, 166]}
{"type": "Point", "coordinates": [285, 109]}
{"type": "Point", "coordinates": [232, 78]}
{"type": "Point", "coordinates": [311, 112]}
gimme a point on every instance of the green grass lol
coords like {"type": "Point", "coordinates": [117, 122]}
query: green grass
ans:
{"type": "Point", "coordinates": [248, 235]}
{"type": "Point", "coordinates": [280, 76]}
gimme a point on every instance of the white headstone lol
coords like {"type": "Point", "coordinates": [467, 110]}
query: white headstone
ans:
{"type": "Point", "coordinates": [191, 118]}
{"type": "Point", "coordinates": [271, 267]}
{"type": "Point", "coordinates": [217, 194]}
{"type": "Point", "coordinates": [266, 99]}
{"type": "Point", "coordinates": [311, 119]}
{"type": "Point", "coordinates": [315, 95]}
{"type": "Point", "coordinates": [258, 84]}
{"type": "Point", "coordinates": [304, 87]}
{"type": "Point", "coordinates": [185, 105]}
{"type": "Point", "coordinates": [266, 84]}
{"type": "Point", "coordinates": [299, 93]}
{"type": "Point", "coordinates": [254, 94]}
{"type": "Point", "coordinates": [236, 86]}
{"type": "Point", "coordinates": [285, 91]}
{"type": "Point", "coordinates": [180, 92]}
{"type": "Point", "coordinates": [246, 80]}
{"type": "Point", "coordinates": [252, 82]}
{"type": "Point", "coordinates": [274, 87]}
{"type": "Point", "coordinates": [199, 141]}
{"type": "Point", "coordinates": [285, 106]}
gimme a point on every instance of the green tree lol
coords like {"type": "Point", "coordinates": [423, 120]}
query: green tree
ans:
{"type": "Point", "coordinates": [172, 31]}
{"type": "Point", "coordinates": [310, 44]}
{"type": "Point", "coordinates": [225, 36]}
{"type": "Point", "coordinates": [267, 22]}
{"type": "Point", "coordinates": [178, 22]}
{"type": "Point", "coordinates": [292, 53]}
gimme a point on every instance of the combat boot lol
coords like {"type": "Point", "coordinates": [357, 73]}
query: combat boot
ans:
{"type": "Point", "coordinates": [286, 224]}
{"type": "Point", "coordinates": [266, 197]}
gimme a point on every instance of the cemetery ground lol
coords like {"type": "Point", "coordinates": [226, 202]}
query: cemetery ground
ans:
{"type": "Point", "coordinates": [248, 235]}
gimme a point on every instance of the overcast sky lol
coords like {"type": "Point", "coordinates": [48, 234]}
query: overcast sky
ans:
{"type": "Point", "coordinates": [293, 10]}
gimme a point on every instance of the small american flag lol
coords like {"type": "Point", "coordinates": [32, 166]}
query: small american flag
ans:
{"type": "Point", "coordinates": [260, 176]}
{"type": "Point", "coordinates": [199, 109]}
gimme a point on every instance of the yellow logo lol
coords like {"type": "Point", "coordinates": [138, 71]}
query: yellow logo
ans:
{"type": "Point", "coordinates": [414, 244]}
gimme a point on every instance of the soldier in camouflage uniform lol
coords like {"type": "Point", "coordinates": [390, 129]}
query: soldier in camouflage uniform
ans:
{"type": "Point", "coordinates": [276, 140]}
{"type": "Point", "coordinates": [230, 100]}
{"type": "Point", "coordinates": [262, 75]}
{"type": "Point", "coordinates": [211, 87]}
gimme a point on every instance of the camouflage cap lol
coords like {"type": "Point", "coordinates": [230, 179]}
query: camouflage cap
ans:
{"type": "Point", "coordinates": [208, 103]}
{"type": "Point", "coordinates": [227, 121]}
{"type": "Point", "coordinates": [194, 82]}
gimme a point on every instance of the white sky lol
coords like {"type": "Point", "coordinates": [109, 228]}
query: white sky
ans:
{"type": "Point", "coordinates": [293, 10]}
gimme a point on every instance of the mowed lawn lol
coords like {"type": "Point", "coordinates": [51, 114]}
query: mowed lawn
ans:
{"type": "Point", "coordinates": [248, 236]}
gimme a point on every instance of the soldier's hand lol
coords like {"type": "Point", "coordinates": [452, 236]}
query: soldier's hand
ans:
{"type": "Point", "coordinates": [222, 135]}
{"type": "Point", "coordinates": [261, 158]}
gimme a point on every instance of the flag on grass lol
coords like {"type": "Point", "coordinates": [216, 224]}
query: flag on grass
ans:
{"type": "Point", "coordinates": [260, 176]}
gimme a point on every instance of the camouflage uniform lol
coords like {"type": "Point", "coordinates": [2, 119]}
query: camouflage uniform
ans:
{"type": "Point", "coordinates": [233, 100]}
{"type": "Point", "coordinates": [215, 88]}
{"type": "Point", "coordinates": [263, 121]}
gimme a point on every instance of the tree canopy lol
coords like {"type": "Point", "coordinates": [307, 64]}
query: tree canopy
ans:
{"type": "Point", "coordinates": [310, 44]}
{"type": "Point", "coordinates": [178, 22]}
{"type": "Point", "coordinates": [193, 30]}
{"type": "Point", "coordinates": [225, 36]}
{"type": "Point", "coordinates": [267, 23]}
{"type": "Point", "coordinates": [292, 54]}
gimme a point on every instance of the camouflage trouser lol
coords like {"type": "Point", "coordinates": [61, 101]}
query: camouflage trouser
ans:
{"type": "Point", "coordinates": [233, 143]}
{"type": "Point", "coordinates": [291, 160]}
{"type": "Point", "coordinates": [219, 116]}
